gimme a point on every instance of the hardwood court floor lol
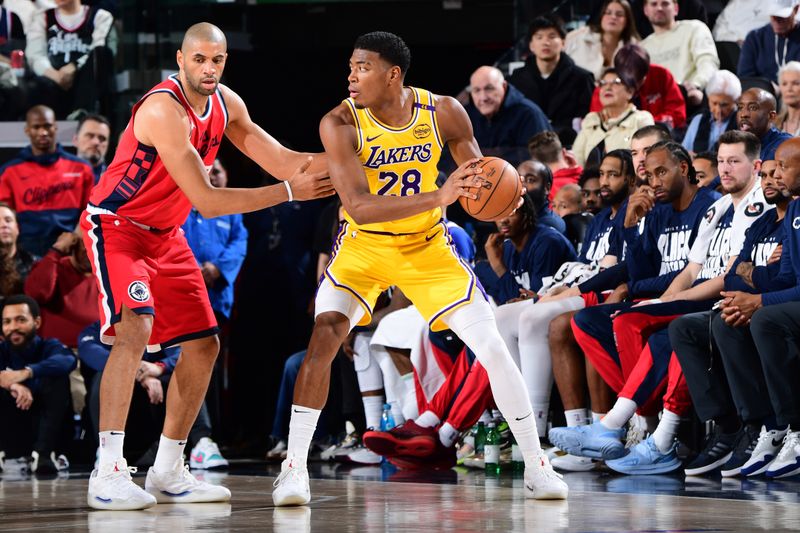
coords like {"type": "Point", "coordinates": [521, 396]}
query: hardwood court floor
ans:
{"type": "Point", "coordinates": [371, 500]}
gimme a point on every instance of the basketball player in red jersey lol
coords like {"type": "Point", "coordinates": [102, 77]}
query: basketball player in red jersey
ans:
{"type": "Point", "coordinates": [152, 293]}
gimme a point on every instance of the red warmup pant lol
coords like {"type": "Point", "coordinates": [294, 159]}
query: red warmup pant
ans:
{"type": "Point", "coordinates": [464, 395]}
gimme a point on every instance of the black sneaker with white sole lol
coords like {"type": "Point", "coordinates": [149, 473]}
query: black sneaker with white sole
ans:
{"type": "Point", "coordinates": [742, 451]}
{"type": "Point", "coordinates": [717, 450]}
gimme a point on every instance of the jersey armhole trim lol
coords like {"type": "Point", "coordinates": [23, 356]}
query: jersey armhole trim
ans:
{"type": "Point", "coordinates": [359, 130]}
{"type": "Point", "coordinates": [437, 134]}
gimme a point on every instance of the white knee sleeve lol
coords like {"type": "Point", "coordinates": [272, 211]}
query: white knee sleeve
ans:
{"type": "Point", "coordinates": [329, 298]}
{"type": "Point", "coordinates": [370, 377]}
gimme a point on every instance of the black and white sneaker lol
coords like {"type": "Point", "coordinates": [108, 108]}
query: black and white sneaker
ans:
{"type": "Point", "coordinates": [716, 452]}
{"type": "Point", "coordinates": [742, 451]}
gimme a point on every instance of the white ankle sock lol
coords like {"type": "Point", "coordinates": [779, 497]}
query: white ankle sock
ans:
{"type": "Point", "coordinates": [428, 419]}
{"type": "Point", "coordinates": [619, 415]}
{"type": "Point", "coordinates": [448, 435]}
{"type": "Point", "coordinates": [664, 435]}
{"type": "Point", "coordinates": [576, 417]}
{"type": "Point", "coordinates": [111, 446]}
{"type": "Point", "coordinates": [409, 399]}
{"type": "Point", "coordinates": [397, 413]}
{"type": "Point", "coordinates": [302, 425]}
{"type": "Point", "coordinates": [373, 407]}
{"type": "Point", "coordinates": [169, 455]}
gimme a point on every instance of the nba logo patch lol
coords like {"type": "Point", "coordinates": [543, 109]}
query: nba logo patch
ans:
{"type": "Point", "coordinates": [138, 291]}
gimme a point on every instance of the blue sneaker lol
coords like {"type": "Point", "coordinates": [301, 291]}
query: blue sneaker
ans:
{"type": "Point", "coordinates": [595, 441]}
{"type": "Point", "coordinates": [646, 458]}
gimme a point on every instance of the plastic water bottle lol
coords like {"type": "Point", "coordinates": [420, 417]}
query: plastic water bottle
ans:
{"type": "Point", "coordinates": [480, 438]}
{"type": "Point", "coordinates": [491, 451]}
{"type": "Point", "coordinates": [387, 420]}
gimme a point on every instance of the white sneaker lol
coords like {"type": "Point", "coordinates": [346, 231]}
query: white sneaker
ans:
{"type": "Point", "coordinates": [111, 488]}
{"type": "Point", "coordinates": [767, 446]}
{"type": "Point", "coordinates": [205, 455]}
{"type": "Point", "coordinates": [291, 486]}
{"type": "Point", "coordinates": [180, 486]}
{"type": "Point", "coordinates": [573, 463]}
{"type": "Point", "coordinates": [788, 461]}
{"type": "Point", "coordinates": [364, 456]}
{"type": "Point", "coordinates": [544, 483]}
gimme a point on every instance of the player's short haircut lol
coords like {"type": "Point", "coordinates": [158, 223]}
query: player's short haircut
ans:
{"type": "Point", "coordinates": [95, 117]}
{"type": "Point", "coordinates": [707, 156]}
{"type": "Point", "coordinates": [546, 22]}
{"type": "Point", "coordinates": [678, 154]}
{"type": "Point", "coordinates": [589, 173]}
{"type": "Point", "coordinates": [658, 130]}
{"type": "Point", "coordinates": [17, 299]}
{"type": "Point", "coordinates": [545, 146]}
{"type": "Point", "coordinates": [626, 162]}
{"type": "Point", "coordinates": [752, 146]}
{"type": "Point", "coordinates": [389, 46]}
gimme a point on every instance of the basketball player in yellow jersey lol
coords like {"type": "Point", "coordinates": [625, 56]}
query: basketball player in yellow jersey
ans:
{"type": "Point", "coordinates": [383, 144]}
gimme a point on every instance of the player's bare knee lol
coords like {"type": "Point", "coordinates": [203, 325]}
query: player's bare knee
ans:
{"type": "Point", "coordinates": [201, 350]}
{"type": "Point", "coordinates": [331, 327]}
{"type": "Point", "coordinates": [133, 328]}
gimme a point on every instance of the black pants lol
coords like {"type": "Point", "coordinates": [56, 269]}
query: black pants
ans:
{"type": "Point", "coordinates": [776, 330]}
{"type": "Point", "coordinates": [40, 427]}
{"type": "Point", "coordinates": [721, 367]}
{"type": "Point", "coordinates": [145, 416]}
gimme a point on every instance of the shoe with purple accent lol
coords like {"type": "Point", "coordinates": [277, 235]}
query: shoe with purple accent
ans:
{"type": "Point", "coordinates": [180, 486]}
{"type": "Point", "coordinates": [111, 488]}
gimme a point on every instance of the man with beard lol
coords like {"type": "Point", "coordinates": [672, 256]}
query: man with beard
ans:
{"type": "Point", "coordinates": [538, 179]}
{"type": "Point", "coordinates": [734, 393]}
{"type": "Point", "coordinates": [630, 348]}
{"type": "Point", "coordinates": [15, 263]}
{"type": "Point", "coordinates": [589, 182]}
{"type": "Point", "coordinates": [152, 292]}
{"type": "Point", "coordinates": [63, 286]}
{"type": "Point", "coordinates": [34, 389]}
{"type": "Point", "coordinates": [91, 141]}
{"type": "Point", "coordinates": [524, 326]}
{"type": "Point", "coordinates": [755, 113]}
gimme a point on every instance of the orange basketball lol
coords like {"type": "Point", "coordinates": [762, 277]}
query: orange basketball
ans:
{"type": "Point", "coordinates": [499, 195]}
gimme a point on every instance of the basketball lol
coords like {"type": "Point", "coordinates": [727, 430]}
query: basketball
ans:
{"type": "Point", "coordinates": [499, 196]}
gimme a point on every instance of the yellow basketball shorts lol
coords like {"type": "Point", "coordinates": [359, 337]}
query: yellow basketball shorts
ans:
{"type": "Point", "coordinates": [425, 266]}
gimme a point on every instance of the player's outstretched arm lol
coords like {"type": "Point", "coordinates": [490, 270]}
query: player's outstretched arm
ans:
{"type": "Point", "coordinates": [162, 123]}
{"type": "Point", "coordinates": [339, 138]}
{"type": "Point", "coordinates": [260, 146]}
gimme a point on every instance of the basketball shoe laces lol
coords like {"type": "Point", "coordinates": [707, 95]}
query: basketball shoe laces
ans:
{"type": "Point", "coordinates": [292, 471]}
{"type": "Point", "coordinates": [546, 470]}
{"type": "Point", "coordinates": [119, 478]}
{"type": "Point", "coordinates": [790, 442]}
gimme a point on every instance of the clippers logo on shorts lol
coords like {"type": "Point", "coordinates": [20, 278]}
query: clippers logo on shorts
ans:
{"type": "Point", "coordinates": [138, 291]}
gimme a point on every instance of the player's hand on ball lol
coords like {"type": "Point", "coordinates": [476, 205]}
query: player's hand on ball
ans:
{"type": "Point", "coordinates": [461, 181]}
{"type": "Point", "coordinates": [309, 185]}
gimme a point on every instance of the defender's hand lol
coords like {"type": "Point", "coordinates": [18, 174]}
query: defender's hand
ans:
{"type": "Point", "coordinates": [310, 185]}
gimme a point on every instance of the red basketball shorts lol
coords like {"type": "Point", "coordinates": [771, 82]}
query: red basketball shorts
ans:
{"type": "Point", "coordinates": [150, 273]}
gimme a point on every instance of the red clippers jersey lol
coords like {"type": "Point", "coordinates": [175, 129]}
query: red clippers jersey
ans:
{"type": "Point", "coordinates": [137, 185]}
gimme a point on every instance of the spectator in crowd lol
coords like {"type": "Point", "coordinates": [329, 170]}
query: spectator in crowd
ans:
{"type": "Point", "coordinates": [552, 80]}
{"type": "Point", "coordinates": [12, 37]}
{"type": "Point", "coordinates": [15, 263]}
{"type": "Point", "coordinates": [756, 111]}
{"type": "Point", "coordinates": [788, 119]}
{"type": "Point", "coordinates": [502, 118]}
{"type": "Point", "coordinates": [63, 286]}
{"type": "Point", "coordinates": [546, 147]}
{"type": "Point", "coordinates": [685, 47]}
{"type": "Point", "coordinates": [593, 47]}
{"type": "Point", "coordinates": [589, 182]}
{"type": "Point", "coordinates": [656, 89]}
{"type": "Point", "coordinates": [568, 200]}
{"type": "Point", "coordinates": [738, 18]}
{"type": "Point", "coordinates": [91, 139]}
{"type": "Point", "coordinates": [768, 48]}
{"type": "Point", "coordinates": [149, 399]}
{"type": "Point", "coordinates": [67, 51]}
{"type": "Point", "coordinates": [523, 252]}
{"type": "Point", "coordinates": [34, 388]}
{"type": "Point", "coordinates": [538, 181]}
{"type": "Point", "coordinates": [613, 126]}
{"type": "Point", "coordinates": [47, 186]}
{"type": "Point", "coordinates": [705, 169]}
{"type": "Point", "coordinates": [219, 245]}
{"type": "Point", "coordinates": [643, 139]}
{"type": "Point", "coordinates": [723, 91]}
{"type": "Point", "coordinates": [688, 10]}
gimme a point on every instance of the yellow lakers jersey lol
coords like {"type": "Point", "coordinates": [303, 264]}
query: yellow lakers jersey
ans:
{"type": "Point", "coordinates": [400, 161]}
